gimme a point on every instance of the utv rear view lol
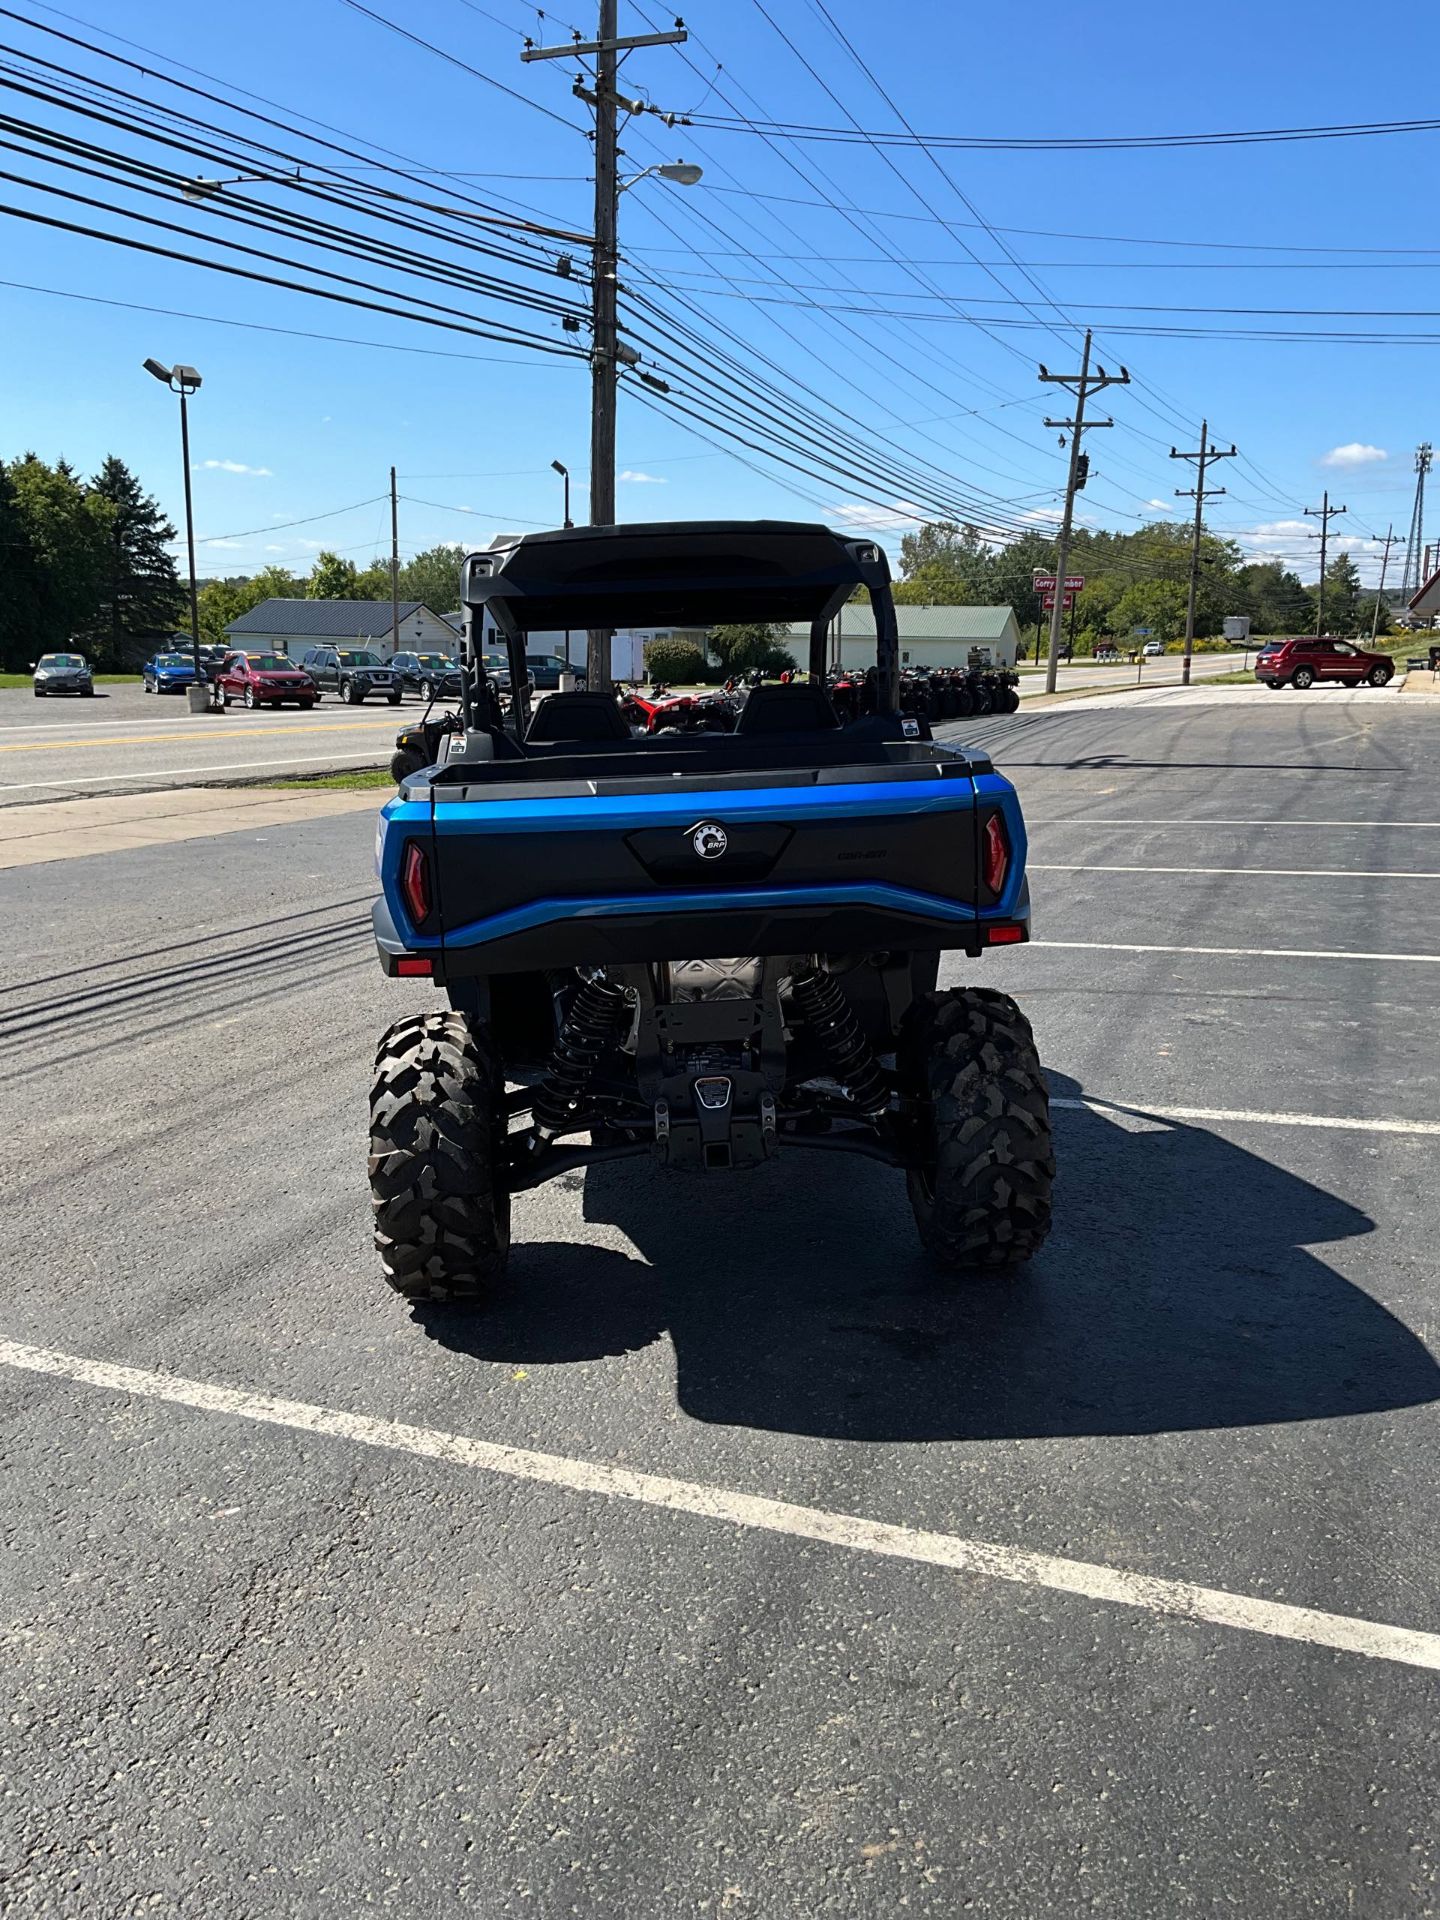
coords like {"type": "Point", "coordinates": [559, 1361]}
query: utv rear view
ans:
{"type": "Point", "coordinates": [708, 948]}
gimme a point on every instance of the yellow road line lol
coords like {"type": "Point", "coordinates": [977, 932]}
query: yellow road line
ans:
{"type": "Point", "coordinates": [212, 733]}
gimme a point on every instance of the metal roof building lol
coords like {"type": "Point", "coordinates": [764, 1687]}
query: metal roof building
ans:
{"type": "Point", "coordinates": [929, 636]}
{"type": "Point", "coordinates": [291, 626]}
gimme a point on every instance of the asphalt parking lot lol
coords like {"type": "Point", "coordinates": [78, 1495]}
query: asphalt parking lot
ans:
{"type": "Point", "coordinates": [734, 1562]}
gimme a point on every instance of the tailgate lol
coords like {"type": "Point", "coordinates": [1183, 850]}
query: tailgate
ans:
{"type": "Point", "coordinates": [514, 876]}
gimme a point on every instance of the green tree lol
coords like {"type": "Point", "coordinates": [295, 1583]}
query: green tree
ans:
{"type": "Point", "coordinates": [140, 591]}
{"type": "Point", "coordinates": [19, 601]}
{"type": "Point", "coordinates": [63, 530]}
{"type": "Point", "coordinates": [943, 564]}
{"type": "Point", "coordinates": [739, 649]}
{"type": "Point", "coordinates": [1156, 604]}
{"type": "Point", "coordinates": [434, 577]}
{"type": "Point", "coordinates": [222, 601]}
{"type": "Point", "coordinates": [332, 578]}
{"type": "Point", "coordinates": [373, 583]}
{"type": "Point", "coordinates": [1345, 604]}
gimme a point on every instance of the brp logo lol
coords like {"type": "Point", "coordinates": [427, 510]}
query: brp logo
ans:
{"type": "Point", "coordinates": [709, 840]}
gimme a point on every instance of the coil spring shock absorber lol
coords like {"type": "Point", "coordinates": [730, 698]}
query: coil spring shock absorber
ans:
{"type": "Point", "coordinates": [596, 1015]}
{"type": "Point", "coordinates": [828, 1011]}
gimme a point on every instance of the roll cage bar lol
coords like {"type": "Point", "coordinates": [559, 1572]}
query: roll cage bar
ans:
{"type": "Point", "coordinates": [695, 573]}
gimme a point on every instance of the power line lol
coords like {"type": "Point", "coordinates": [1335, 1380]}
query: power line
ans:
{"type": "Point", "coordinates": [1099, 143]}
{"type": "Point", "coordinates": [256, 326]}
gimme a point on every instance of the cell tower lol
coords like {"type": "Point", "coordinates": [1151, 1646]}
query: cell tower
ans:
{"type": "Point", "coordinates": [1415, 549]}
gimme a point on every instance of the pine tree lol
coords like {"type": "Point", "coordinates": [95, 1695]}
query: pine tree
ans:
{"type": "Point", "coordinates": [141, 592]}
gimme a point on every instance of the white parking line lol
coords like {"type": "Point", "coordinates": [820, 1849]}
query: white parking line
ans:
{"type": "Point", "coordinates": [1241, 953]}
{"type": "Point", "coordinates": [1169, 1599]}
{"type": "Point", "coordinates": [1244, 1116]}
{"type": "Point", "coordinates": [366, 754]}
{"type": "Point", "coordinates": [1090, 820]}
{"type": "Point", "coordinates": [1249, 873]}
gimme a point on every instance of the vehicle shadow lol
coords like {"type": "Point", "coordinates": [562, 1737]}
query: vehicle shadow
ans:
{"type": "Point", "coordinates": [1177, 1292]}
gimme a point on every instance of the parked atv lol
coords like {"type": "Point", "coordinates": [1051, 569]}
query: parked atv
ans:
{"type": "Point", "coordinates": [566, 883]}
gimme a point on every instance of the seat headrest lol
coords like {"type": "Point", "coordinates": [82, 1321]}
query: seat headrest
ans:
{"type": "Point", "coordinates": [802, 707]}
{"type": "Point", "coordinates": [577, 716]}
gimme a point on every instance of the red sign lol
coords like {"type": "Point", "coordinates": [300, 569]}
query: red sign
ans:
{"type": "Point", "coordinates": [1049, 601]}
{"type": "Point", "coordinates": [1045, 583]}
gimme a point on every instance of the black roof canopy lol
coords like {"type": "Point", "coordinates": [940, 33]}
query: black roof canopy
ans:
{"type": "Point", "coordinates": [696, 573]}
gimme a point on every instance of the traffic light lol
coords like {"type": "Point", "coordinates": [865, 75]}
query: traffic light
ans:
{"type": "Point", "coordinates": [1082, 471]}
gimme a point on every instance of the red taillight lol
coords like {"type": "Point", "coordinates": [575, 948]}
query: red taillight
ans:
{"type": "Point", "coordinates": [1003, 936]}
{"type": "Point", "coordinates": [415, 882]}
{"type": "Point", "coordinates": [419, 967]}
{"type": "Point", "coordinates": [995, 858]}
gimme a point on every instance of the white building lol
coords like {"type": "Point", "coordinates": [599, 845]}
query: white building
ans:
{"type": "Point", "coordinates": [929, 636]}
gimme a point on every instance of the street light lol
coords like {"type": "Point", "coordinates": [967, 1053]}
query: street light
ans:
{"type": "Point", "coordinates": [185, 381]}
{"type": "Point", "coordinates": [564, 473]}
{"type": "Point", "coordinates": [682, 172]}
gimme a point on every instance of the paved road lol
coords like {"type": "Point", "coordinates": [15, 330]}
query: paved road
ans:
{"type": "Point", "coordinates": [124, 740]}
{"type": "Point", "coordinates": [1164, 672]}
{"type": "Point", "coordinates": [328, 1665]}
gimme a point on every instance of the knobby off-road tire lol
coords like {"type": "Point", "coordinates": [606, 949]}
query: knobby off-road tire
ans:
{"type": "Point", "coordinates": [981, 1197]}
{"type": "Point", "coordinates": [437, 1169]}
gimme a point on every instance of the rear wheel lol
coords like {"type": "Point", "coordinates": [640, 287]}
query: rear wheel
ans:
{"type": "Point", "coordinates": [981, 1193]}
{"type": "Point", "coordinates": [404, 763]}
{"type": "Point", "coordinates": [1275, 686]}
{"type": "Point", "coordinates": [982, 700]}
{"type": "Point", "coordinates": [1009, 700]}
{"type": "Point", "coordinates": [1302, 678]}
{"type": "Point", "coordinates": [1380, 676]}
{"type": "Point", "coordinates": [437, 1159]}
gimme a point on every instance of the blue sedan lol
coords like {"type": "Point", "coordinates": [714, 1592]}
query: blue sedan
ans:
{"type": "Point", "coordinates": [168, 673]}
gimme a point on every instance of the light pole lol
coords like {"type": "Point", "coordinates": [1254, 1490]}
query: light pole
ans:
{"type": "Point", "coordinates": [185, 381]}
{"type": "Point", "coordinates": [564, 473]}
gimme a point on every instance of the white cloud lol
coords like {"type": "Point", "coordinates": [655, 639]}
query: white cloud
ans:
{"type": "Point", "coordinates": [1354, 453]}
{"type": "Point", "coordinates": [236, 545]}
{"type": "Point", "coordinates": [637, 479]}
{"type": "Point", "coordinates": [1160, 506]}
{"type": "Point", "coordinates": [1275, 533]}
{"type": "Point", "coordinates": [280, 548]}
{"type": "Point", "coordinates": [233, 466]}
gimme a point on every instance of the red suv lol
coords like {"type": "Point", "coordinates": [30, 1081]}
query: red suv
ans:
{"type": "Point", "coordinates": [265, 679]}
{"type": "Point", "coordinates": [1300, 663]}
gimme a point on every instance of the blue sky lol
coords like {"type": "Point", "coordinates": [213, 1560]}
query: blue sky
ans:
{"type": "Point", "coordinates": [288, 427]}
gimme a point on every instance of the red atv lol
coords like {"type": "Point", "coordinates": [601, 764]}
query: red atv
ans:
{"type": "Point", "coordinates": [657, 710]}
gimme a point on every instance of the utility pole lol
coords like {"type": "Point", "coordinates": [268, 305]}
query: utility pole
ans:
{"type": "Point", "coordinates": [1414, 577]}
{"type": "Point", "coordinates": [1384, 568]}
{"type": "Point", "coordinates": [1082, 385]}
{"type": "Point", "coordinates": [1202, 493]}
{"type": "Point", "coordinates": [605, 355]}
{"type": "Point", "coordinates": [394, 566]}
{"type": "Point", "coordinates": [1324, 513]}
